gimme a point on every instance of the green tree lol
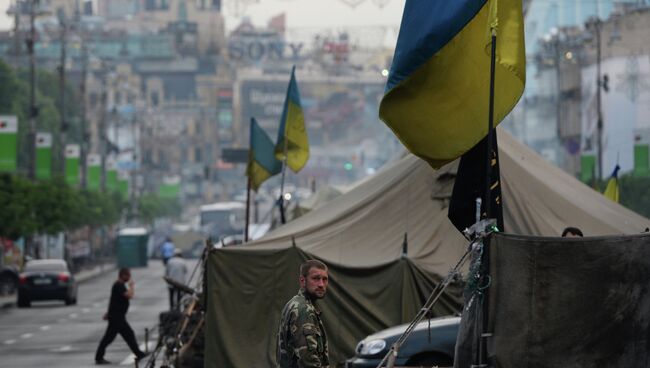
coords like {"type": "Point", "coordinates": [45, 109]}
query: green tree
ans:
{"type": "Point", "coordinates": [16, 207]}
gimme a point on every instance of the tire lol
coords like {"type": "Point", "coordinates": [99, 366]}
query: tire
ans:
{"type": "Point", "coordinates": [431, 360]}
{"type": "Point", "coordinates": [23, 302]}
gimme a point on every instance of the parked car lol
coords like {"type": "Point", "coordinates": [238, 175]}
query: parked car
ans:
{"type": "Point", "coordinates": [432, 343]}
{"type": "Point", "coordinates": [8, 280]}
{"type": "Point", "coordinates": [46, 279]}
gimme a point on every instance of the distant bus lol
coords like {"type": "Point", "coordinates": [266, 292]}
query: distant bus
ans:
{"type": "Point", "coordinates": [222, 219]}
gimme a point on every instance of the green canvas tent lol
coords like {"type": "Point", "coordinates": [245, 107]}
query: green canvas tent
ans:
{"type": "Point", "coordinates": [360, 234]}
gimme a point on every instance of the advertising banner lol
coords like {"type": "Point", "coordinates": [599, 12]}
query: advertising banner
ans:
{"type": "Point", "coordinates": [123, 183]}
{"type": "Point", "coordinates": [72, 155]}
{"type": "Point", "coordinates": [43, 155]}
{"type": "Point", "coordinates": [8, 143]}
{"type": "Point", "coordinates": [111, 174]}
{"type": "Point", "coordinates": [170, 187]}
{"type": "Point", "coordinates": [94, 176]}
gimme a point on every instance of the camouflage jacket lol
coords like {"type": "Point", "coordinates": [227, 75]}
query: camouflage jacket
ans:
{"type": "Point", "coordinates": [301, 336]}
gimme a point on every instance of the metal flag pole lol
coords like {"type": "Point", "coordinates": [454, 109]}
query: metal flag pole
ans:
{"type": "Point", "coordinates": [285, 150]}
{"type": "Point", "coordinates": [248, 208]}
{"type": "Point", "coordinates": [284, 169]}
{"type": "Point", "coordinates": [483, 308]}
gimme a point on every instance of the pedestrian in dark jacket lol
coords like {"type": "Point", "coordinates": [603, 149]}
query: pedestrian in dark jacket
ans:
{"type": "Point", "coordinates": [122, 291]}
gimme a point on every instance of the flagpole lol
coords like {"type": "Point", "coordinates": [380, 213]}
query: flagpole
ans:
{"type": "Point", "coordinates": [248, 208]}
{"type": "Point", "coordinates": [483, 310]}
{"type": "Point", "coordinates": [284, 161]}
{"type": "Point", "coordinates": [284, 169]}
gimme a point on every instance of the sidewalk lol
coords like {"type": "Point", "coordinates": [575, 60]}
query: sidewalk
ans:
{"type": "Point", "coordinates": [7, 301]}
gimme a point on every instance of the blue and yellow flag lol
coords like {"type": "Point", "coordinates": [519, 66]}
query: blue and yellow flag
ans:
{"type": "Point", "coordinates": [262, 163]}
{"type": "Point", "coordinates": [611, 191]}
{"type": "Point", "coordinates": [437, 93]}
{"type": "Point", "coordinates": [292, 136]}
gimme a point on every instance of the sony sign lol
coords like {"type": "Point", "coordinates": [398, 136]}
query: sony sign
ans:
{"type": "Point", "coordinates": [257, 50]}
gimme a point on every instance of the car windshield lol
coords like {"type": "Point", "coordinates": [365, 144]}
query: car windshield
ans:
{"type": "Point", "coordinates": [45, 266]}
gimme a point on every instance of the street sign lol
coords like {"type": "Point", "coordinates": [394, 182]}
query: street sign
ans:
{"type": "Point", "coordinates": [235, 155]}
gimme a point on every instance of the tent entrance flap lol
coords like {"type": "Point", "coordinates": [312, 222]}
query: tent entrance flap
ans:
{"type": "Point", "coordinates": [560, 302]}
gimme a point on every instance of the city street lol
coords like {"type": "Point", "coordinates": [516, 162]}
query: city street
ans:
{"type": "Point", "coordinates": [50, 334]}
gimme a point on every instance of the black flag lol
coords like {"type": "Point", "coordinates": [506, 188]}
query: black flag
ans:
{"type": "Point", "coordinates": [471, 182]}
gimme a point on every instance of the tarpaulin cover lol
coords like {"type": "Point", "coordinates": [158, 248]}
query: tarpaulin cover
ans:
{"type": "Point", "coordinates": [567, 302]}
{"type": "Point", "coordinates": [244, 303]}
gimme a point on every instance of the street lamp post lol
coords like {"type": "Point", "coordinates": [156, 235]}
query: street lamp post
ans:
{"type": "Point", "coordinates": [599, 105]}
{"type": "Point", "coordinates": [595, 25]}
{"type": "Point", "coordinates": [31, 137]}
{"type": "Point", "coordinates": [64, 125]}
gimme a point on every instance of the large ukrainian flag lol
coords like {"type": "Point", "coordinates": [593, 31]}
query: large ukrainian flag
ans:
{"type": "Point", "coordinates": [436, 98]}
{"type": "Point", "coordinates": [262, 163]}
{"type": "Point", "coordinates": [292, 135]}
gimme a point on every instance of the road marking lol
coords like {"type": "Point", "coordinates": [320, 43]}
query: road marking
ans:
{"type": "Point", "coordinates": [73, 315]}
{"type": "Point", "coordinates": [26, 335]}
{"type": "Point", "coordinates": [131, 358]}
{"type": "Point", "coordinates": [9, 342]}
{"type": "Point", "coordinates": [45, 328]}
{"type": "Point", "coordinates": [62, 349]}
{"type": "Point", "coordinates": [62, 320]}
{"type": "Point", "coordinates": [97, 305]}
{"type": "Point", "coordinates": [85, 310]}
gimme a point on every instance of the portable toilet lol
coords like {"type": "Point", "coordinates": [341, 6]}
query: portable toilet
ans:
{"type": "Point", "coordinates": [132, 247]}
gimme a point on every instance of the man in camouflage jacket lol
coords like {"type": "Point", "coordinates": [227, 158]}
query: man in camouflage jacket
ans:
{"type": "Point", "coordinates": [301, 337]}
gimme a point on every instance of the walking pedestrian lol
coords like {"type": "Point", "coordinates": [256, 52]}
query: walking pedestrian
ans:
{"type": "Point", "coordinates": [301, 337]}
{"type": "Point", "coordinates": [122, 291]}
{"type": "Point", "coordinates": [167, 250]}
{"type": "Point", "coordinates": [176, 270]}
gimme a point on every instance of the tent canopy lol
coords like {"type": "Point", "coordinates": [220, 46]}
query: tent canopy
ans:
{"type": "Point", "coordinates": [361, 234]}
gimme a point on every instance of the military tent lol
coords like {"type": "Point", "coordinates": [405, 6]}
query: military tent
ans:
{"type": "Point", "coordinates": [376, 280]}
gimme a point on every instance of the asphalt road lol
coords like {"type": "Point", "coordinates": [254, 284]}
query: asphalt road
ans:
{"type": "Point", "coordinates": [52, 335]}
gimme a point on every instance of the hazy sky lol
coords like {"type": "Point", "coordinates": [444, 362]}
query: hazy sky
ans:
{"type": "Point", "coordinates": [300, 13]}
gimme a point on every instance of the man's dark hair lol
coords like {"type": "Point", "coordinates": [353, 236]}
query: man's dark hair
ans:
{"type": "Point", "coordinates": [124, 271]}
{"type": "Point", "coordinates": [572, 230]}
{"type": "Point", "coordinates": [309, 264]}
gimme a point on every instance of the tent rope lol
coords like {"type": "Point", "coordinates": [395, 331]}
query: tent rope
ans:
{"type": "Point", "coordinates": [431, 301]}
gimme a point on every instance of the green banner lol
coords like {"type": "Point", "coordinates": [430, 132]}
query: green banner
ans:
{"type": "Point", "coordinates": [43, 155]}
{"type": "Point", "coordinates": [641, 160]}
{"type": "Point", "coordinates": [72, 154]}
{"type": "Point", "coordinates": [587, 168]}
{"type": "Point", "coordinates": [123, 183]}
{"type": "Point", "coordinates": [8, 143]}
{"type": "Point", "coordinates": [94, 175]}
{"type": "Point", "coordinates": [111, 174]}
{"type": "Point", "coordinates": [170, 187]}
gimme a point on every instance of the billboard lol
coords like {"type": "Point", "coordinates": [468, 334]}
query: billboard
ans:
{"type": "Point", "coordinates": [8, 143]}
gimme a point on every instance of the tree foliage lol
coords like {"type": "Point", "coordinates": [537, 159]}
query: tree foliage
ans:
{"type": "Point", "coordinates": [48, 207]}
{"type": "Point", "coordinates": [635, 194]}
{"type": "Point", "coordinates": [152, 207]}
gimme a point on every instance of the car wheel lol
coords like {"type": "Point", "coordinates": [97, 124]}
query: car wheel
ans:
{"type": "Point", "coordinates": [69, 301]}
{"type": "Point", "coordinates": [431, 360]}
{"type": "Point", "coordinates": [23, 303]}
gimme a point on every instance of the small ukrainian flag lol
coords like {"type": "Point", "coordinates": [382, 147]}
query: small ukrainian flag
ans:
{"type": "Point", "coordinates": [262, 163]}
{"type": "Point", "coordinates": [292, 135]}
{"type": "Point", "coordinates": [611, 191]}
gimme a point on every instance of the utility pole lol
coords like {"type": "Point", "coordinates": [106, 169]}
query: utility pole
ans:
{"type": "Point", "coordinates": [33, 111]}
{"type": "Point", "coordinates": [597, 24]}
{"type": "Point", "coordinates": [103, 140]}
{"type": "Point", "coordinates": [63, 128]}
{"type": "Point", "coordinates": [85, 137]}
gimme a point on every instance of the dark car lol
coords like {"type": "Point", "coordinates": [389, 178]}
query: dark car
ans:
{"type": "Point", "coordinates": [46, 279]}
{"type": "Point", "coordinates": [431, 343]}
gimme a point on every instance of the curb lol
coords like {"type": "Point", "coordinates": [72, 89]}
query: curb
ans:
{"type": "Point", "coordinates": [10, 301]}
